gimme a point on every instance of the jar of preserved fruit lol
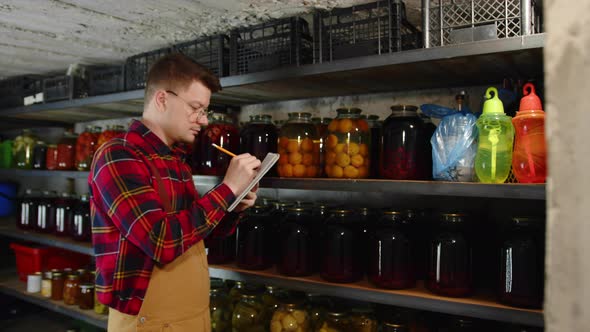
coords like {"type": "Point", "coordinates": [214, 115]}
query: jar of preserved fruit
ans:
{"type": "Point", "coordinates": [222, 250]}
{"type": "Point", "coordinates": [322, 126]}
{"type": "Point", "coordinates": [348, 145]}
{"type": "Point", "coordinates": [57, 285]}
{"type": "Point", "coordinates": [391, 252]}
{"type": "Point", "coordinates": [66, 152]}
{"type": "Point", "coordinates": [86, 145]}
{"type": "Point", "coordinates": [450, 268]}
{"type": "Point", "coordinates": [6, 156]}
{"type": "Point", "coordinates": [109, 133]}
{"type": "Point", "coordinates": [70, 293]}
{"type": "Point", "coordinates": [86, 296]}
{"type": "Point", "coordinates": [46, 284]}
{"type": "Point", "coordinates": [375, 127]}
{"type": "Point", "coordinates": [299, 147]}
{"type": "Point", "coordinates": [27, 212]}
{"type": "Point", "coordinates": [521, 265]}
{"type": "Point", "coordinates": [44, 223]}
{"type": "Point", "coordinates": [403, 153]}
{"type": "Point", "coordinates": [206, 158]}
{"type": "Point", "coordinates": [22, 149]}
{"type": "Point", "coordinates": [366, 219]}
{"type": "Point", "coordinates": [335, 321]}
{"type": "Point", "coordinates": [39, 155]}
{"type": "Point", "coordinates": [51, 157]}
{"type": "Point", "coordinates": [63, 218]}
{"type": "Point", "coordinates": [259, 137]}
{"type": "Point", "coordinates": [295, 256]}
{"type": "Point", "coordinates": [82, 230]}
{"type": "Point", "coordinates": [255, 240]}
{"type": "Point", "coordinates": [290, 316]}
{"type": "Point", "coordinates": [220, 310]}
{"type": "Point", "coordinates": [248, 315]}
{"type": "Point", "coordinates": [341, 258]}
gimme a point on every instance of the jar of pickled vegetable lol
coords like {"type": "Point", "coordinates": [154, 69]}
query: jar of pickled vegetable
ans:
{"type": "Point", "coordinates": [27, 212]}
{"type": "Point", "coordinates": [86, 145]}
{"type": "Point", "coordinates": [259, 137]}
{"type": "Point", "coordinates": [375, 127]}
{"type": "Point", "coordinates": [82, 230]}
{"type": "Point", "coordinates": [66, 152]}
{"type": "Point", "coordinates": [317, 306]}
{"type": "Point", "coordinates": [100, 308]}
{"type": "Point", "coordinates": [335, 321]}
{"type": "Point", "coordinates": [348, 145]}
{"type": "Point", "coordinates": [86, 296]}
{"type": "Point", "coordinates": [39, 155]}
{"type": "Point", "coordinates": [248, 315]}
{"type": "Point", "coordinates": [295, 248]}
{"type": "Point", "coordinates": [394, 327]}
{"type": "Point", "coordinates": [51, 157]}
{"type": "Point", "coordinates": [71, 284]}
{"type": "Point", "coordinates": [255, 240]}
{"type": "Point", "coordinates": [109, 133]}
{"type": "Point", "coordinates": [63, 218]}
{"type": "Point", "coordinates": [299, 146]}
{"type": "Point", "coordinates": [341, 257]}
{"type": "Point", "coordinates": [6, 154]}
{"type": "Point", "coordinates": [290, 316]}
{"type": "Point", "coordinates": [235, 294]}
{"type": "Point", "coordinates": [362, 319]}
{"type": "Point", "coordinates": [219, 308]}
{"type": "Point", "coordinates": [322, 126]}
{"type": "Point", "coordinates": [207, 160]}
{"type": "Point", "coordinates": [44, 223]}
{"type": "Point", "coordinates": [271, 298]}
{"type": "Point", "coordinates": [22, 149]}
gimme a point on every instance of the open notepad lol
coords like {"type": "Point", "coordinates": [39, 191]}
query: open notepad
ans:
{"type": "Point", "coordinates": [267, 164]}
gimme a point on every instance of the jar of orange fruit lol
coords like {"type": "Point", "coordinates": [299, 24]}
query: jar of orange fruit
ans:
{"type": "Point", "coordinates": [299, 147]}
{"type": "Point", "coordinates": [348, 145]}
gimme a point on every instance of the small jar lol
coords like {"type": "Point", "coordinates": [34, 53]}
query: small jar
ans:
{"type": "Point", "coordinates": [299, 147]}
{"type": "Point", "coordinates": [341, 257]}
{"type": "Point", "coordinates": [82, 230]}
{"type": "Point", "coordinates": [235, 294]}
{"type": "Point", "coordinates": [375, 128]}
{"type": "Point", "coordinates": [220, 311]}
{"type": "Point", "coordinates": [70, 293]}
{"type": "Point", "coordinates": [86, 296]}
{"type": "Point", "coordinates": [248, 314]}
{"type": "Point", "coordinates": [317, 306]}
{"type": "Point", "coordinates": [39, 155]}
{"type": "Point", "coordinates": [6, 157]}
{"type": "Point", "coordinates": [322, 126]}
{"type": "Point", "coordinates": [57, 285]}
{"type": "Point", "coordinates": [100, 308]}
{"type": "Point", "coordinates": [46, 284]}
{"type": "Point", "coordinates": [255, 240]}
{"type": "Point", "coordinates": [259, 137]}
{"type": "Point", "coordinates": [45, 209]}
{"type": "Point", "coordinates": [271, 298]}
{"type": "Point", "coordinates": [66, 152]}
{"type": "Point", "coordinates": [207, 160]}
{"type": "Point", "coordinates": [27, 212]}
{"type": "Point", "coordinates": [450, 269]}
{"type": "Point", "coordinates": [290, 316]}
{"type": "Point", "coordinates": [22, 149]}
{"type": "Point", "coordinates": [51, 157]}
{"type": "Point", "coordinates": [335, 321]}
{"type": "Point", "coordinates": [295, 248]}
{"type": "Point", "coordinates": [86, 145]}
{"type": "Point", "coordinates": [348, 145]}
{"type": "Point", "coordinates": [363, 320]}
{"type": "Point", "coordinates": [64, 214]}
{"type": "Point", "coordinates": [222, 250]}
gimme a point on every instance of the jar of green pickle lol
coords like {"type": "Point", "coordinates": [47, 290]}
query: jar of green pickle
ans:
{"type": "Point", "coordinates": [100, 308]}
{"type": "Point", "coordinates": [317, 306]}
{"type": "Point", "coordinates": [335, 321]}
{"type": "Point", "coordinates": [362, 319]}
{"type": "Point", "coordinates": [271, 298]}
{"type": "Point", "coordinates": [290, 316]}
{"type": "Point", "coordinates": [22, 149]}
{"type": "Point", "coordinates": [6, 154]}
{"type": "Point", "coordinates": [235, 294]}
{"type": "Point", "coordinates": [248, 315]}
{"type": "Point", "coordinates": [219, 307]}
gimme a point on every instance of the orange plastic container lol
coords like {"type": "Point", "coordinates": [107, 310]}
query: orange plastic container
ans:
{"type": "Point", "coordinates": [31, 258]}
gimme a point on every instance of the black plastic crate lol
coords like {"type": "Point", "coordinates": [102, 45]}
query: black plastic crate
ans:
{"type": "Point", "coordinates": [270, 45]}
{"type": "Point", "coordinates": [138, 66]}
{"type": "Point", "coordinates": [211, 52]}
{"type": "Point", "coordinates": [103, 80]}
{"type": "Point", "coordinates": [64, 88]}
{"type": "Point", "coordinates": [13, 90]}
{"type": "Point", "coordinates": [374, 28]}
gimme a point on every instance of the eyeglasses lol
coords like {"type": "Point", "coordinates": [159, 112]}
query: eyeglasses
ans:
{"type": "Point", "coordinates": [199, 111]}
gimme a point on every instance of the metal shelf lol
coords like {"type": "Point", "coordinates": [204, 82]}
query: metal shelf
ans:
{"type": "Point", "coordinates": [22, 173]}
{"type": "Point", "coordinates": [9, 229]}
{"type": "Point", "coordinates": [10, 285]}
{"type": "Point", "coordinates": [480, 306]}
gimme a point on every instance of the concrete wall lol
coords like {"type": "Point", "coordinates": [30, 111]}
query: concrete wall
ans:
{"type": "Point", "coordinates": [567, 55]}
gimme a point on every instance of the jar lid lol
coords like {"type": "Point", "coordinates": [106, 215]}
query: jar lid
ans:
{"type": "Point", "coordinates": [86, 286]}
{"type": "Point", "coordinates": [526, 221]}
{"type": "Point", "coordinates": [40, 143]}
{"type": "Point", "coordinates": [261, 118]}
{"type": "Point", "coordinates": [73, 277]}
{"type": "Point", "coordinates": [65, 195]}
{"type": "Point", "coordinates": [47, 274]}
{"type": "Point", "coordinates": [84, 197]}
{"type": "Point", "coordinates": [81, 271]}
{"type": "Point", "coordinates": [53, 146]}
{"type": "Point", "coordinates": [349, 110]}
{"type": "Point", "coordinates": [336, 313]}
{"type": "Point", "coordinates": [297, 209]}
{"type": "Point", "coordinates": [341, 211]}
{"type": "Point", "coordinates": [56, 274]}
{"type": "Point", "coordinates": [299, 115]}
{"type": "Point", "coordinates": [404, 110]}
{"type": "Point", "coordinates": [453, 217]}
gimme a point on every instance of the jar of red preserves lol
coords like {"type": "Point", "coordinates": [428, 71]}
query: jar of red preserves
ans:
{"type": "Point", "coordinates": [207, 160]}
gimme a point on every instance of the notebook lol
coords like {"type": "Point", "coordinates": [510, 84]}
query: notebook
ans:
{"type": "Point", "coordinates": [267, 164]}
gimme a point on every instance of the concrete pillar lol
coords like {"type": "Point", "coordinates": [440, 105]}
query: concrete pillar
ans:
{"type": "Point", "coordinates": [567, 73]}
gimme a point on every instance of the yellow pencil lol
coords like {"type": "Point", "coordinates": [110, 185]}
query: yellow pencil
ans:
{"type": "Point", "coordinates": [223, 150]}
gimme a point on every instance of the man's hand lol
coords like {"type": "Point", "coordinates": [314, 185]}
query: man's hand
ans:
{"type": "Point", "coordinates": [241, 170]}
{"type": "Point", "coordinates": [247, 202]}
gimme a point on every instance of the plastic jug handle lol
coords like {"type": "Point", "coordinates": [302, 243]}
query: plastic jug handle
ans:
{"type": "Point", "coordinates": [528, 88]}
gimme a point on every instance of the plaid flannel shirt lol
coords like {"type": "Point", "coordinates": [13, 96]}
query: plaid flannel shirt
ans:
{"type": "Point", "coordinates": [131, 232]}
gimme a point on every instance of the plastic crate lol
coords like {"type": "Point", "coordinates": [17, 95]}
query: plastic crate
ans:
{"type": "Point", "coordinates": [103, 80]}
{"type": "Point", "coordinates": [138, 66]}
{"type": "Point", "coordinates": [374, 28]}
{"type": "Point", "coordinates": [64, 88]}
{"type": "Point", "coordinates": [31, 258]}
{"type": "Point", "coordinates": [455, 21]}
{"type": "Point", "coordinates": [13, 90]}
{"type": "Point", "coordinates": [211, 52]}
{"type": "Point", "coordinates": [270, 45]}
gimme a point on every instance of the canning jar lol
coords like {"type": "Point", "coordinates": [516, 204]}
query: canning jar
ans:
{"type": "Point", "coordinates": [290, 316]}
{"type": "Point", "coordinates": [248, 315]}
{"type": "Point", "coordinates": [366, 219]}
{"type": "Point", "coordinates": [341, 257]}
{"type": "Point", "coordinates": [391, 252]}
{"type": "Point", "coordinates": [51, 157]}
{"type": "Point", "coordinates": [6, 160]}
{"type": "Point", "coordinates": [295, 255]}
{"type": "Point", "coordinates": [206, 158]}
{"type": "Point", "coordinates": [403, 152]}
{"type": "Point", "coordinates": [299, 146]}
{"type": "Point", "coordinates": [44, 223]}
{"type": "Point", "coordinates": [362, 319]}
{"type": "Point", "coordinates": [322, 127]}
{"type": "Point", "coordinates": [39, 155]}
{"type": "Point", "coordinates": [22, 149]}
{"type": "Point", "coordinates": [82, 230]}
{"type": "Point", "coordinates": [375, 127]}
{"type": "Point", "coordinates": [259, 137]}
{"type": "Point", "coordinates": [394, 327]}
{"type": "Point", "coordinates": [70, 287]}
{"type": "Point", "coordinates": [522, 263]}
{"type": "Point", "coordinates": [57, 285]}
{"type": "Point", "coordinates": [86, 145]}
{"type": "Point", "coordinates": [63, 218]}
{"type": "Point", "coordinates": [348, 145]}
{"type": "Point", "coordinates": [335, 321]}
{"type": "Point", "coordinates": [108, 134]}
{"type": "Point", "coordinates": [86, 296]}
{"type": "Point", "coordinates": [271, 298]}
{"type": "Point", "coordinates": [219, 308]}
{"type": "Point", "coordinates": [255, 239]}
{"type": "Point", "coordinates": [66, 151]}
{"type": "Point", "coordinates": [317, 307]}
{"type": "Point", "coordinates": [27, 212]}
{"type": "Point", "coordinates": [235, 294]}
{"type": "Point", "coordinates": [46, 284]}
{"type": "Point", "coordinates": [450, 268]}
{"type": "Point", "coordinates": [222, 250]}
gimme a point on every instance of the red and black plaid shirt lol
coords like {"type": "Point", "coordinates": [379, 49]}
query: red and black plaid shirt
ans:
{"type": "Point", "coordinates": [131, 232]}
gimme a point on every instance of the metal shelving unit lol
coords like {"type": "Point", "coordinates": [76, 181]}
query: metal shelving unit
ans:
{"type": "Point", "coordinates": [9, 229]}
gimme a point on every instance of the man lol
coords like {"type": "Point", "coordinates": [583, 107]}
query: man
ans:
{"type": "Point", "coordinates": [148, 222]}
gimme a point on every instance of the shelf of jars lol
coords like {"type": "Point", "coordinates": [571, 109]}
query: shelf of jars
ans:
{"type": "Point", "coordinates": [11, 285]}
{"type": "Point", "coordinates": [473, 63]}
{"type": "Point", "coordinates": [481, 305]}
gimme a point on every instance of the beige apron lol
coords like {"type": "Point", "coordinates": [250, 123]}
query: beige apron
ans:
{"type": "Point", "coordinates": [177, 297]}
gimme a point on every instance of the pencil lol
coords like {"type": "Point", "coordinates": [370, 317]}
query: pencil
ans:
{"type": "Point", "coordinates": [223, 150]}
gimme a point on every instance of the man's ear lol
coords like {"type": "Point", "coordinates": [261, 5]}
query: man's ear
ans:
{"type": "Point", "coordinates": [160, 100]}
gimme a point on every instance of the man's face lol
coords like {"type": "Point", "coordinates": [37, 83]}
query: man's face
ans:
{"type": "Point", "coordinates": [186, 112]}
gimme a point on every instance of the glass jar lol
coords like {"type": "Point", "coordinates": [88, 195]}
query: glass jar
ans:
{"type": "Point", "coordinates": [57, 285]}
{"type": "Point", "coordinates": [222, 250]}
{"type": "Point", "coordinates": [86, 296]}
{"type": "Point", "coordinates": [206, 158]}
{"type": "Point", "coordinates": [271, 298]}
{"type": "Point", "coordinates": [522, 264]}
{"type": "Point", "coordinates": [46, 284]}
{"type": "Point", "coordinates": [71, 284]}
{"type": "Point", "coordinates": [219, 309]}
{"type": "Point", "coordinates": [66, 151]}
{"type": "Point", "coordinates": [299, 147]}
{"type": "Point", "coordinates": [100, 308]}
{"type": "Point", "coordinates": [463, 324]}
{"type": "Point", "coordinates": [63, 218]}
{"type": "Point", "coordinates": [363, 320]}
{"type": "Point", "coordinates": [248, 315]}
{"type": "Point", "coordinates": [44, 223]}
{"type": "Point", "coordinates": [51, 157]}
{"type": "Point", "coordinates": [375, 127]}
{"type": "Point", "coordinates": [86, 145]}
{"type": "Point", "coordinates": [429, 129]}
{"type": "Point", "coordinates": [108, 134]}
{"type": "Point", "coordinates": [341, 259]}
{"type": "Point", "coordinates": [366, 219]}
{"type": "Point", "coordinates": [317, 307]}
{"type": "Point", "coordinates": [322, 127]}
{"type": "Point", "coordinates": [391, 252]}
{"type": "Point", "coordinates": [27, 212]}
{"type": "Point", "coordinates": [259, 137]}
{"type": "Point", "coordinates": [39, 155]}
{"type": "Point", "coordinates": [347, 145]}
{"type": "Point", "coordinates": [450, 268]}
{"type": "Point", "coordinates": [335, 321]}
{"type": "Point", "coordinates": [255, 239]}
{"type": "Point", "coordinates": [6, 154]}
{"type": "Point", "coordinates": [394, 327]}
{"type": "Point", "coordinates": [295, 248]}
{"type": "Point", "coordinates": [290, 316]}
{"type": "Point", "coordinates": [22, 149]}
{"type": "Point", "coordinates": [403, 153]}
{"type": "Point", "coordinates": [82, 230]}
{"type": "Point", "coordinates": [235, 294]}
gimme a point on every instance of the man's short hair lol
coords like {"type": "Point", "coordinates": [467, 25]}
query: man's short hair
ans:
{"type": "Point", "coordinates": [176, 72]}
